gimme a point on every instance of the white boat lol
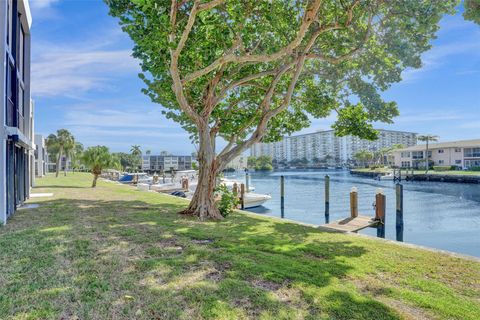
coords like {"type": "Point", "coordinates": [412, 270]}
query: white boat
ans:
{"type": "Point", "coordinates": [388, 176]}
{"type": "Point", "coordinates": [230, 182]}
{"type": "Point", "coordinates": [253, 200]}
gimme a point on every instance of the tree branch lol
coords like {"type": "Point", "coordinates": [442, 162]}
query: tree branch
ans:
{"type": "Point", "coordinates": [308, 18]}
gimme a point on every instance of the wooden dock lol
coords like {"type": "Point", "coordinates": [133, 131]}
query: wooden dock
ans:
{"type": "Point", "coordinates": [351, 224]}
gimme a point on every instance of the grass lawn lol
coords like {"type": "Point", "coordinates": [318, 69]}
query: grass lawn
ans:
{"type": "Point", "coordinates": [117, 253]}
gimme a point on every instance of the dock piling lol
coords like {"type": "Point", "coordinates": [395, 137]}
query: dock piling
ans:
{"type": "Point", "coordinates": [282, 196]}
{"type": "Point", "coordinates": [247, 183]}
{"type": "Point", "coordinates": [399, 212]}
{"type": "Point", "coordinates": [380, 208]}
{"type": "Point", "coordinates": [327, 198]}
{"type": "Point", "coordinates": [354, 202]}
{"type": "Point", "coordinates": [242, 196]}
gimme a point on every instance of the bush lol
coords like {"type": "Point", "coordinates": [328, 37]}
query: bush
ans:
{"type": "Point", "coordinates": [474, 168]}
{"type": "Point", "coordinates": [444, 168]}
{"type": "Point", "coordinates": [228, 201]}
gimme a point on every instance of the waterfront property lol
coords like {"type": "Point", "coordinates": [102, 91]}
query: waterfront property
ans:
{"type": "Point", "coordinates": [326, 146]}
{"type": "Point", "coordinates": [16, 116]}
{"type": "Point", "coordinates": [41, 156]}
{"type": "Point", "coordinates": [113, 252]}
{"type": "Point", "coordinates": [463, 154]}
{"type": "Point", "coordinates": [440, 215]}
{"type": "Point", "coordinates": [162, 163]}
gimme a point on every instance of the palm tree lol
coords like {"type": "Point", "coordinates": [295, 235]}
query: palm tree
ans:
{"type": "Point", "coordinates": [137, 154]}
{"type": "Point", "coordinates": [427, 138]}
{"type": "Point", "coordinates": [59, 144]}
{"type": "Point", "coordinates": [76, 155]}
{"type": "Point", "coordinates": [364, 156]}
{"type": "Point", "coordinates": [96, 159]}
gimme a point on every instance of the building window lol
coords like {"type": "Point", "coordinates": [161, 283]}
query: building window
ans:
{"type": "Point", "coordinates": [405, 155]}
{"type": "Point", "coordinates": [441, 162]}
{"type": "Point", "coordinates": [441, 151]}
{"type": "Point", "coordinates": [21, 54]}
{"type": "Point", "coordinates": [458, 161]}
{"type": "Point", "coordinates": [471, 152]}
{"type": "Point", "coordinates": [417, 154]}
{"type": "Point", "coordinates": [9, 24]}
{"type": "Point", "coordinates": [458, 150]}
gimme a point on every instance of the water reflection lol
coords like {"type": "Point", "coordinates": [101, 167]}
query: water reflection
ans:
{"type": "Point", "coordinates": [435, 214]}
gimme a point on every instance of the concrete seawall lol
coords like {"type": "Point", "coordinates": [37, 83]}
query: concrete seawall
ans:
{"type": "Point", "coordinates": [453, 178]}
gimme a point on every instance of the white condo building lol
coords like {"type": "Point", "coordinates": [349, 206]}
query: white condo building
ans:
{"type": "Point", "coordinates": [463, 154]}
{"type": "Point", "coordinates": [325, 145]}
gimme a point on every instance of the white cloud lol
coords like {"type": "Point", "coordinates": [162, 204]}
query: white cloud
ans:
{"type": "Point", "coordinates": [459, 37]}
{"type": "Point", "coordinates": [72, 70]}
{"type": "Point", "coordinates": [42, 4]}
{"type": "Point", "coordinates": [127, 117]}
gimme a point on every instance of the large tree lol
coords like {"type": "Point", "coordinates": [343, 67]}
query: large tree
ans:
{"type": "Point", "coordinates": [59, 145]}
{"type": "Point", "coordinates": [254, 70]}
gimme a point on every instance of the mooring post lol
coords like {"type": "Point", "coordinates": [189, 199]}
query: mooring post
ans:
{"type": "Point", "coordinates": [242, 196]}
{"type": "Point", "coordinates": [327, 198]}
{"type": "Point", "coordinates": [247, 183]}
{"type": "Point", "coordinates": [282, 196]}
{"type": "Point", "coordinates": [354, 202]}
{"type": "Point", "coordinates": [186, 184]}
{"type": "Point", "coordinates": [380, 207]}
{"type": "Point", "coordinates": [399, 212]}
{"type": "Point", "coordinates": [235, 189]}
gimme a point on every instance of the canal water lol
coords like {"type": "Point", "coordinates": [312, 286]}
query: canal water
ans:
{"type": "Point", "coordinates": [436, 214]}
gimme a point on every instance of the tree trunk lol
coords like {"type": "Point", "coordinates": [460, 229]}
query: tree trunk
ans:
{"type": "Point", "coordinates": [202, 204]}
{"type": "Point", "coordinates": [65, 168]}
{"type": "Point", "coordinates": [95, 177]}
{"type": "Point", "coordinates": [59, 160]}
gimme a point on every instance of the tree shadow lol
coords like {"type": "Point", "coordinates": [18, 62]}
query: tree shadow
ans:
{"type": "Point", "coordinates": [99, 253]}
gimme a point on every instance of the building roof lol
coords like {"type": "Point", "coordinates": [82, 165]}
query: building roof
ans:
{"type": "Point", "coordinates": [451, 144]}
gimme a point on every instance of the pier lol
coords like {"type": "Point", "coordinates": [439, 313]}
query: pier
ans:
{"type": "Point", "coordinates": [352, 224]}
{"type": "Point", "coordinates": [358, 222]}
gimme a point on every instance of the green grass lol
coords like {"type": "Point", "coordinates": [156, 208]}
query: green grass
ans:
{"type": "Point", "coordinates": [117, 253]}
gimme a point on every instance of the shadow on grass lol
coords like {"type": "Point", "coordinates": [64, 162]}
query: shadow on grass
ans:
{"type": "Point", "coordinates": [111, 258]}
{"type": "Point", "coordinates": [60, 187]}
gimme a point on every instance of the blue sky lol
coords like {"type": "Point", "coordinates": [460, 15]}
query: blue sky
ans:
{"type": "Point", "coordinates": [84, 79]}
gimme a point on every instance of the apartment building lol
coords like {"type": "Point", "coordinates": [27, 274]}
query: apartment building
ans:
{"type": "Point", "coordinates": [325, 145]}
{"type": "Point", "coordinates": [152, 163]}
{"type": "Point", "coordinates": [16, 118]}
{"type": "Point", "coordinates": [463, 154]}
{"type": "Point", "coordinates": [41, 157]}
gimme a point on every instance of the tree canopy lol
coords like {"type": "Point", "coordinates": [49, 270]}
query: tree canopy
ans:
{"type": "Point", "coordinates": [97, 159]}
{"type": "Point", "coordinates": [242, 61]}
{"type": "Point", "coordinates": [472, 10]}
{"type": "Point", "coordinates": [256, 70]}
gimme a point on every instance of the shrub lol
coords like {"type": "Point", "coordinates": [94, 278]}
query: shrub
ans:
{"type": "Point", "coordinates": [442, 168]}
{"type": "Point", "coordinates": [475, 168]}
{"type": "Point", "coordinates": [228, 201]}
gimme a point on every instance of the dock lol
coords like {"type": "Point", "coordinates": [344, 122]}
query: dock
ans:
{"type": "Point", "coordinates": [351, 224]}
